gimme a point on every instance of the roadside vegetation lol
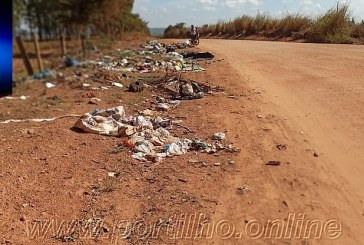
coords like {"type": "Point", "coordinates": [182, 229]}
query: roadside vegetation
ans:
{"type": "Point", "coordinates": [334, 26]}
{"type": "Point", "coordinates": [51, 18]}
{"type": "Point", "coordinates": [102, 23]}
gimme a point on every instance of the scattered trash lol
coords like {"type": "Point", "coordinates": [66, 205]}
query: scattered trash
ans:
{"type": "Point", "coordinates": [184, 90]}
{"type": "Point", "coordinates": [148, 137]}
{"type": "Point", "coordinates": [178, 148]}
{"type": "Point", "coordinates": [242, 190]}
{"type": "Point", "coordinates": [137, 86]}
{"type": "Point", "coordinates": [70, 62]}
{"type": "Point", "coordinates": [219, 136]}
{"type": "Point", "coordinates": [38, 120]}
{"type": "Point", "coordinates": [174, 102]}
{"type": "Point", "coordinates": [146, 112]}
{"type": "Point", "coordinates": [105, 122]}
{"type": "Point", "coordinates": [49, 85]}
{"type": "Point", "coordinates": [43, 74]}
{"type": "Point", "coordinates": [162, 107]}
{"type": "Point", "coordinates": [119, 85]}
{"type": "Point", "coordinates": [113, 174]}
{"type": "Point", "coordinates": [273, 163]}
{"type": "Point", "coordinates": [15, 98]}
{"type": "Point", "coordinates": [281, 146]}
{"type": "Point", "coordinates": [94, 100]}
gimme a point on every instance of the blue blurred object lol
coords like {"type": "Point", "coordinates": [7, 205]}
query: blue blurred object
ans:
{"type": "Point", "coordinates": [165, 148]}
{"type": "Point", "coordinates": [6, 48]}
{"type": "Point", "coordinates": [44, 74]}
{"type": "Point", "coordinates": [70, 62]}
{"type": "Point", "coordinates": [95, 111]}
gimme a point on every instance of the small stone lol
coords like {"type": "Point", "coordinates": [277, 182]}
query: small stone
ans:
{"type": "Point", "coordinates": [242, 190]}
{"type": "Point", "coordinates": [315, 154]}
{"type": "Point", "coordinates": [22, 218]}
{"type": "Point", "coordinates": [94, 101]}
{"type": "Point", "coordinates": [281, 147]}
{"type": "Point", "coordinates": [217, 164]}
{"type": "Point", "coordinates": [113, 174]}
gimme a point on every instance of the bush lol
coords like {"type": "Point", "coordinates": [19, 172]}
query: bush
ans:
{"type": "Point", "coordinates": [332, 27]}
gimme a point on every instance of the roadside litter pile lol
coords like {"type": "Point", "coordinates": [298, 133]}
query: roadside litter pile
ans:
{"type": "Point", "coordinates": [151, 57]}
{"type": "Point", "coordinates": [109, 71]}
{"type": "Point", "coordinates": [147, 137]}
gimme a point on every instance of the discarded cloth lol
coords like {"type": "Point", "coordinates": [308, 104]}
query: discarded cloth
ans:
{"type": "Point", "coordinates": [105, 122]}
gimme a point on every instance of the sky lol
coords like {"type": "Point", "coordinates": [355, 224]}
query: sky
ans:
{"type": "Point", "coordinates": [161, 13]}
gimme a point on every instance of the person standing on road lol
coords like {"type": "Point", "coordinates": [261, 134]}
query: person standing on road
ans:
{"type": "Point", "coordinates": [193, 32]}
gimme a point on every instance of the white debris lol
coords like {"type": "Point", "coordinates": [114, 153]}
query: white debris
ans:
{"type": "Point", "coordinates": [119, 85]}
{"type": "Point", "coordinates": [15, 98]}
{"type": "Point", "coordinates": [49, 85]}
{"type": "Point", "coordinates": [162, 107]}
{"type": "Point", "coordinates": [37, 120]}
{"type": "Point", "coordinates": [219, 136]}
{"type": "Point", "coordinates": [94, 100]}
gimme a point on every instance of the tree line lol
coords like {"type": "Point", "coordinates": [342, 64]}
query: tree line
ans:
{"type": "Point", "coordinates": [51, 18]}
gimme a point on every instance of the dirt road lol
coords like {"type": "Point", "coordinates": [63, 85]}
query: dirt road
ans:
{"type": "Point", "coordinates": [316, 94]}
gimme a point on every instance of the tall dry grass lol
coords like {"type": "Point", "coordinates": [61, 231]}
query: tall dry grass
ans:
{"type": "Point", "coordinates": [334, 26]}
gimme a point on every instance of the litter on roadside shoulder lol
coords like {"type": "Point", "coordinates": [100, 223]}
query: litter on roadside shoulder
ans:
{"type": "Point", "coordinates": [15, 98]}
{"type": "Point", "coordinates": [38, 120]}
{"type": "Point", "coordinates": [148, 138]}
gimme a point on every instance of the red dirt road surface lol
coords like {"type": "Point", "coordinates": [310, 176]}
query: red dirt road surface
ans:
{"type": "Point", "coordinates": [295, 111]}
{"type": "Point", "coordinates": [316, 94]}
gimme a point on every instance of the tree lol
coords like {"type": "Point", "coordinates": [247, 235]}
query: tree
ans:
{"type": "Point", "coordinates": [52, 17]}
{"type": "Point", "coordinates": [18, 12]}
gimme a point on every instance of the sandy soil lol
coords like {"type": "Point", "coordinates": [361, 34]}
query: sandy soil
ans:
{"type": "Point", "coordinates": [297, 104]}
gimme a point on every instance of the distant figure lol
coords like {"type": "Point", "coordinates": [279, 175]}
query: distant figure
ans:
{"type": "Point", "coordinates": [193, 31]}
